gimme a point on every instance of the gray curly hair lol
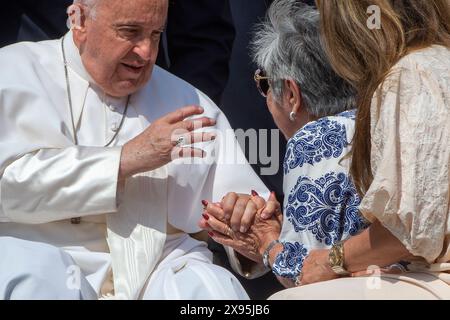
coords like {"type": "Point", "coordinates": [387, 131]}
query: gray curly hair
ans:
{"type": "Point", "coordinates": [287, 45]}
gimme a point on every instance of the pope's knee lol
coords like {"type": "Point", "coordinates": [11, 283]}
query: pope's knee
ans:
{"type": "Point", "coordinates": [31, 270]}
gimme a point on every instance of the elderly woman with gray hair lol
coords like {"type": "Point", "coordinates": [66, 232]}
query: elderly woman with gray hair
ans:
{"type": "Point", "coordinates": [311, 105]}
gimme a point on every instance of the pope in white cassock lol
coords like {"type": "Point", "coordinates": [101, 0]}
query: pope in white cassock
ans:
{"type": "Point", "coordinates": [91, 203]}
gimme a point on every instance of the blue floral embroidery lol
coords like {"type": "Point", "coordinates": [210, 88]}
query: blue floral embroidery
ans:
{"type": "Point", "coordinates": [324, 138]}
{"type": "Point", "coordinates": [326, 207]}
{"type": "Point", "coordinates": [351, 114]}
{"type": "Point", "coordinates": [289, 262]}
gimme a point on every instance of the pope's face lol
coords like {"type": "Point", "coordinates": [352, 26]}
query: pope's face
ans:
{"type": "Point", "coordinates": [119, 43]}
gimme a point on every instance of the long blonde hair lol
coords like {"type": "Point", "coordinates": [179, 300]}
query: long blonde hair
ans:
{"type": "Point", "coordinates": [364, 56]}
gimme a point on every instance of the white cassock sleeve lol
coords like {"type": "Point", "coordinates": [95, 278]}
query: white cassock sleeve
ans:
{"type": "Point", "coordinates": [55, 184]}
{"type": "Point", "coordinates": [43, 176]}
{"type": "Point", "coordinates": [233, 173]}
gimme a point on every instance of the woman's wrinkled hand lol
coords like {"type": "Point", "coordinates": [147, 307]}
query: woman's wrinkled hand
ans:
{"type": "Point", "coordinates": [252, 243]}
{"type": "Point", "coordinates": [239, 210]}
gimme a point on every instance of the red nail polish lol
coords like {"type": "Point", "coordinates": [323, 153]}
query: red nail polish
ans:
{"type": "Point", "coordinates": [211, 234]}
{"type": "Point", "coordinates": [204, 203]}
{"type": "Point", "coordinates": [254, 193]}
{"type": "Point", "coordinates": [205, 216]}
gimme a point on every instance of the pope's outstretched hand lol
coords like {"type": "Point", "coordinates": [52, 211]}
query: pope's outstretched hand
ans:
{"type": "Point", "coordinates": [160, 143]}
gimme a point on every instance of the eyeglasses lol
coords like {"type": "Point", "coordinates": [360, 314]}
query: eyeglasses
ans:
{"type": "Point", "coordinates": [262, 82]}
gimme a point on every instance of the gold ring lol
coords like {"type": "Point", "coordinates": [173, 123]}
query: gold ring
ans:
{"type": "Point", "coordinates": [229, 231]}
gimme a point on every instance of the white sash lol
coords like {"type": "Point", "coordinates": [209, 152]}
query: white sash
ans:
{"type": "Point", "coordinates": [137, 232]}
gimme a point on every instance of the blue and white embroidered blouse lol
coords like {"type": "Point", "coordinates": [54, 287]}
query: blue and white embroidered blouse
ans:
{"type": "Point", "coordinates": [321, 202]}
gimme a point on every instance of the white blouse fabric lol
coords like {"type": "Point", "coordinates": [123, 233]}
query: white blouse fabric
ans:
{"type": "Point", "coordinates": [410, 129]}
{"type": "Point", "coordinates": [321, 202]}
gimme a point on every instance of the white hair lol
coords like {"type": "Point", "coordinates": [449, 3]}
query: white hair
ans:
{"type": "Point", "coordinates": [90, 4]}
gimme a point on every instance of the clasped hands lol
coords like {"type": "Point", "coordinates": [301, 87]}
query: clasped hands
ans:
{"type": "Point", "coordinates": [246, 223]}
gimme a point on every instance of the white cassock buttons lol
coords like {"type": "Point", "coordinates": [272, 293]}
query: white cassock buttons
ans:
{"type": "Point", "coordinates": [112, 108]}
{"type": "Point", "coordinates": [114, 127]}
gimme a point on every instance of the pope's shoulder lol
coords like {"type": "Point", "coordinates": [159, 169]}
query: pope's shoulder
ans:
{"type": "Point", "coordinates": [175, 91]}
{"type": "Point", "coordinates": [20, 61]}
{"type": "Point", "coordinates": [177, 86]}
{"type": "Point", "coordinates": [28, 51]}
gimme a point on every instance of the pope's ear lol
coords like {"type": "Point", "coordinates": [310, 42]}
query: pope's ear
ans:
{"type": "Point", "coordinates": [77, 20]}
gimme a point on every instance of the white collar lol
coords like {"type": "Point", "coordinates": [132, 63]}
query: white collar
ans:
{"type": "Point", "coordinates": [76, 64]}
{"type": "Point", "coordinates": [74, 58]}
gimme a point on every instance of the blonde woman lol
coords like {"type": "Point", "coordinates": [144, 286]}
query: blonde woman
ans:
{"type": "Point", "coordinates": [400, 152]}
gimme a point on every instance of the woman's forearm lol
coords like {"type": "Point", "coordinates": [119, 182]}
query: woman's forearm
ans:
{"type": "Point", "coordinates": [374, 246]}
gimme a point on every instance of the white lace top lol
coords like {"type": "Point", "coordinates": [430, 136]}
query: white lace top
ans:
{"type": "Point", "coordinates": [410, 128]}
